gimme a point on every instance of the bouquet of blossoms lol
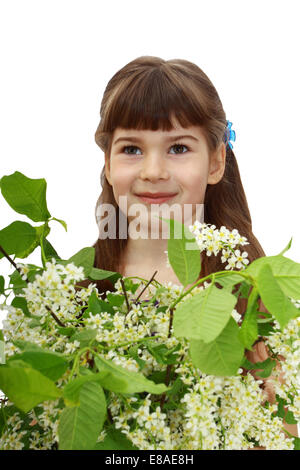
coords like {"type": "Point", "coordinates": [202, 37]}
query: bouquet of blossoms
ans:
{"type": "Point", "coordinates": [166, 373]}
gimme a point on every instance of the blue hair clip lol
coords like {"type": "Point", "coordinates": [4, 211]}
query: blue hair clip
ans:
{"type": "Point", "coordinates": [229, 134]}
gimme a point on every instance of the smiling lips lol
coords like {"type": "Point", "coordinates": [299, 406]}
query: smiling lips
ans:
{"type": "Point", "coordinates": [155, 198]}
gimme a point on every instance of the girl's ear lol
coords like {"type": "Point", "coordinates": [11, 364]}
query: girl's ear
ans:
{"type": "Point", "coordinates": [217, 165]}
{"type": "Point", "coordinates": [107, 168]}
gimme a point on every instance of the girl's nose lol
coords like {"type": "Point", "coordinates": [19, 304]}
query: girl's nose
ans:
{"type": "Point", "coordinates": [154, 167]}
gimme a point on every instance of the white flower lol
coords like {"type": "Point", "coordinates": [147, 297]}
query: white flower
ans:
{"type": "Point", "coordinates": [235, 314]}
{"type": "Point", "coordinates": [231, 263]}
{"type": "Point", "coordinates": [241, 258]}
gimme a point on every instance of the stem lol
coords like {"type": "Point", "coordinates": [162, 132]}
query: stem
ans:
{"type": "Point", "coordinates": [19, 271]}
{"type": "Point", "coordinates": [171, 321]}
{"type": "Point", "coordinates": [109, 416]}
{"type": "Point", "coordinates": [55, 317]}
{"type": "Point", "coordinates": [142, 279]}
{"type": "Point", "coordinates": [167, 381]}
{"type": "Point", "coordinates": [122, 345]}
{"type": "Point", "coordinates": [288, 433]}
{"type": "Point", "coordinates": [169, 366]}
{"type": "Point", "coordinates": [148, 283]}
{"type": "Point", "coordinates": [126, 298]}
{"type": "Point", "coordinates": [10, 259]}
{"type": "Point", "coordinates": [78, 355]}
{"type": "Point", "coordinates": [44, 259]}
{"type": "Point", "coordinates": [209, 276]}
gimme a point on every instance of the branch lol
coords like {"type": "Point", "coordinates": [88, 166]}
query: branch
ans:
{"type": "Point", "coordinates": [19, 271]}
{"type": "Point", "coordinates": [10, 259]}
{"type": "Point", "coordinates": [148, 283]}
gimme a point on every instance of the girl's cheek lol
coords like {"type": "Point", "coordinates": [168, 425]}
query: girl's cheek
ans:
{"type": "Point", "coordinates": [122, 183]}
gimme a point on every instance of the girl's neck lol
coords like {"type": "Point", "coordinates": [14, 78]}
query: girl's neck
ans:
{"type": "Point", "coordinates": [142, 257]}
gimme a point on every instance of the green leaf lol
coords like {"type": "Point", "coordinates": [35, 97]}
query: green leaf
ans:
{"type": "Point", "coordinates": [2, 282]}
{"type": "Point", "coordinates": [2, 351]}
{"type": "Point", "coordinates": [40, 230]}
{"type": "Point", "coordinates": [280, 406]}
{"type": "Point", "coordinates": [246, 364]}
{"type": "Point", "coordinates": [26, 345]}
{"type": "Point", "coordinates": [285, 271]}
{"type": "Point", "coordinates": [85, 337]}
{"type": "Point", "coordinates": [290, 418]}
{"type": "Point", "coordinates": [84, 257]}
{"type": "Point", "coordinates": [80, 426]}
{"type": "Point", "coordinates": [26, 196]}
{"type": "Point", "coordinates": [115, 440]}
{"type": "Point", "coordinates": [162, 354]}
{"type": "Point", "coordinates": [221, 357]}
{"type": "Point", "coordinates": [131, 286]}
{"type": "Point", "coordinates": [159, 377]}
{"type": "Point", "coordinates": [176, 387]}
{"type": "Point", "coordinates": [135, 382]}
{"type": "Point", "coordinates": [67, 331]}
{"type": "Point", "coordinates": [296, 443]}
{"type": "Point", "coordinates": [133, 352]}
{"type": "Point", "coordinates": [229, 280]}
{"type": "Point", "coordinates": [50, 251]}
{"type": "Point", "coordinates": [265, 329]}
{"type": "Point", "coordinates": [244, 289]}
{"type": "Point", "coordinates": [266, 366]}
{"type": "Point", "coordinates": [273, 297]}
{"type": "Point", "coordinates": [17, 282]}
{"type": "Point", "coordinates": [72, 390]}
{"type": "Point", "coordinates": [97, 274]}
{"type": "Point", "coordinates": [204, 315]}
{"type": "Point", "coordinates": [96, 305]}
{"type": "Point", "coordinates": [7, 411]}
{"type": "Point", "coordinates": [249, 330]}
{"type": "Point", "coordinates": [35, 322]}
{"type": "Point", "coordinates": [185, 262]}
{"type": "Point", "coordinates": [51, 364]}
{"type": "Point", "coordinates": [16, 238]}
{"type": "Point", "coordinates": [62, 222]}
{"type": "Point", "coordinates": [26, 388]}
{"type": "Point", "coordinates": [267, 369]}
{"type": "Point", "coordinates": [21, 302]}
{"type": "Point", "coordinates": [287, 247]}
{"type": "Point", "coordinates": [116, 300]}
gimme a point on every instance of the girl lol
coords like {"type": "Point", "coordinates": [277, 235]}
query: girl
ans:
{"type": "Point", "coordinates": [146, 106]}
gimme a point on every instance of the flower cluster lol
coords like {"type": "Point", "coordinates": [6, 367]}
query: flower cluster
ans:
{"type": "Point", "coordinates": [286, 344]}
{"type": "Point", "coordinates": [55, 290]}
{"type": "Point", "coordinates": [200, 411]}
{"type": "Point", "coordinates": [214, 240]}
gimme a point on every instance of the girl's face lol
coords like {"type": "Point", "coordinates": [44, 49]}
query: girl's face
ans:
{"type": "Point", "coordinates": [175, 161]}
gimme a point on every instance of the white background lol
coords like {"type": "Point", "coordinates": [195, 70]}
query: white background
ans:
{"type": "Point", "coordinates": [56, 60]}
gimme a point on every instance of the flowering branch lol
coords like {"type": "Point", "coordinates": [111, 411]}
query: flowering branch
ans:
{"type": "Point", "coordinates": [138, 348]}
{"type": "Point", "coordinates": [60, 323]}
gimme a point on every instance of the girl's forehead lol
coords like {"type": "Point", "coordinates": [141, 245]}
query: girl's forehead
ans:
{"type": "Point", "coordinates": [193, 131]}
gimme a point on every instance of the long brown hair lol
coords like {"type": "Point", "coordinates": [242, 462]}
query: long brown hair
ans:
{"type": "Point", "coordinates": [145, 94]}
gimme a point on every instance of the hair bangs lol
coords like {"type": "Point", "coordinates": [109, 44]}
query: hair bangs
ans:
{"type": "Point", "coordinates": [150, 101]}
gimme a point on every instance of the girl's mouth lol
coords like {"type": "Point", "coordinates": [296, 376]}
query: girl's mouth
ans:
{"type": "Point", "coordinates": [155, 200]}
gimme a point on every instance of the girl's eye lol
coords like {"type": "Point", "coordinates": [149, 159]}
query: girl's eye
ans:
{"type": "Point", "coordinates": [180, 145]}
{"type": "Point", "coordinates": [128, 147]}
{"type": "Point", "coordinates": [134, 147]}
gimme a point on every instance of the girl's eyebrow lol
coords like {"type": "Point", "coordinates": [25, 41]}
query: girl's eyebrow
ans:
{"type": "Point", "coordinates": [168, 139]}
